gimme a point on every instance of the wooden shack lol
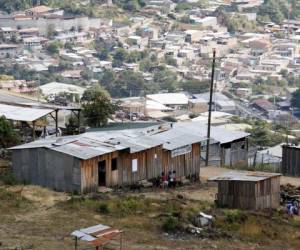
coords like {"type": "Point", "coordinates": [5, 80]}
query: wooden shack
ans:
{"type": "Point", "coordinates": [86, 162]}
{"type": "Point", "coordinates": [248, 190]}
{"type": "Point", "coordinates": [290, 160]}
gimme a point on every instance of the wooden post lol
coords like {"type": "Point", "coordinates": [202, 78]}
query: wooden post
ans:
{"type": "Point", "coordinates": [33, 130]}
{"type": "Point", "coordinates": [76, 243]}
{"type": "Point", "coordinates": [78, 117]}
{"type": "Point", "coordinates": [121, 240]}
{"type": "Point", "coordinates": [56, 122]}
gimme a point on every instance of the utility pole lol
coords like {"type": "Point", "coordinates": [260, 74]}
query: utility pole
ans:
{"type": "Point", "coordinates": [210, 106]}
{"type": "Point", "coordinates": [289, 7]}
{"type": "Point", "coordinates": [38, 88]}
{"type": "Point", "coordinates": [130, 114]}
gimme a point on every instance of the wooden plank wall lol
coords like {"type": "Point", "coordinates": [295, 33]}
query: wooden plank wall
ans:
{"type": "Point", "coordinates": [151, 163]}
{"type": "Point", "coordinates": [249, 195]}
{"type": "Point", "coordinates": [267, 193]}
{"type": "Point", "coordinates": [290, 161]}
{"type": "Point", "coordinates": [89, 172]}
{"type": "Point", "coordinates": [185, 165]}
{"type": "Point", "coordinates": [89, 175]}
{"type": "Point", "coordinates": [236, 194]}
{"type": "Point", "coordinates": [149, 166]}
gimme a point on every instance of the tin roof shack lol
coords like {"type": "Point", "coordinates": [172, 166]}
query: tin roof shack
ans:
{"type": "Point", "coordinates": [87, 161]}
{"type": "Point", "coordinates": [248, 190]}
{"type": "Point", "coordinates": [290, 160]}
{"type": "Point", "coordinates": [111, 158]}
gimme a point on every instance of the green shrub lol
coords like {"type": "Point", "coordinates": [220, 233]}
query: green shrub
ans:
{"type": "Point", "coordinates": [169, 119]}
{"type": "Point", "coordinates": [104, 208]}
{"type": "Point", "coordinates": [128, 205]}
{"type": "Point", "coordinates": [170, 224]}
{"type": "Point", "coordinates": [234, 216]}
{"type": "Point", "coordinates": [172, 207]}
{"type": "Point", "coordinates": [9, 179]}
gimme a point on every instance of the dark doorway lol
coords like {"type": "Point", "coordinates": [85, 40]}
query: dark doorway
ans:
{"type": "Point", "coordinates": [101, 173]}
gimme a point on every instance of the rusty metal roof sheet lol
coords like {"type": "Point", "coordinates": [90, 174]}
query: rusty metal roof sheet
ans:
{"type": "Point", "coordinates": [244, 176]}
{"type": "Point", "coordinates": [97, 235]}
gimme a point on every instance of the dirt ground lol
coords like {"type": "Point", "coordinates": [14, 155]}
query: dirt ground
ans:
{"type": "Point", "coordinates": [207, 172]}
{"type": "Point", "coordinates": [32, 217]}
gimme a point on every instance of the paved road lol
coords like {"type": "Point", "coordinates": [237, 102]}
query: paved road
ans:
{"type": "Point", "coordinates": [4, 97]}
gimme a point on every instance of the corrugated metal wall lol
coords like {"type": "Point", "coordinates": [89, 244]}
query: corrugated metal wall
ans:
{"type": "Point", "coordinates": [47, 168]}
{"type": "Point", "coordinates": [290, 161]}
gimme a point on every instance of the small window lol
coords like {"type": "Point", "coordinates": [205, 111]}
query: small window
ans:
{"type": "Point", "coordinates": [134, 165]}
{"type": "Point", "coordinates": [114, 164]}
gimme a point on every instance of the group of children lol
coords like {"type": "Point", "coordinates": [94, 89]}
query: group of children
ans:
{"type": "Point", "coordinates": [168, 180]}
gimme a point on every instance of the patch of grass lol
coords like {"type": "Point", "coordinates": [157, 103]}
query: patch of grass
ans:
{"type": "Point", "coordinates": [231, 221]}
{"type": "Point", "coordinates": [251, 228]}
{"type": "Point", "coordinates": [127, 205]}
{"type": "Point", "coordinates": [259, 167]}
{"type": "Point", "coordinates": [172, 207]}
{"type": "Point", "coordinates": [170, 224]}
{"type": "Point", "coordinates": [104, 208]}
{"type": "Point", "coordinates": [235, 216]}
{"type": "Point", "coordinates": [10, 200]}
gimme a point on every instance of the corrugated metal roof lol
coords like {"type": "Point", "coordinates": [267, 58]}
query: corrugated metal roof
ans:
{"type": "Point", "coordinates": [92, 144]}
{"type": "Point", "coordinates": [169, 98]}
{"type": "Point", "coordinates": [176, 138]}
{"type": "Point", "coordinates": [244, 176]}
{"type": "Point", "coordinates": [89, 145]}
{"type": "Point", "coordinates": [97, 235]}
{"type": "Point", "coordinates": [23, 114]}
{"type": "Point", "coordinates": [218, 134]}
{"type": "Point", "coordinates": [83, 152]}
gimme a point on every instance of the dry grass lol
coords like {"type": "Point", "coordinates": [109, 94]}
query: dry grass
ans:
{"type": "Point", "coordinates": [43, 219]}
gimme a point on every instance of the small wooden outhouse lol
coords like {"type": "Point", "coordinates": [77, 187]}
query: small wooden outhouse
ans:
{"type": "Point", "coordinates": [248, 190]}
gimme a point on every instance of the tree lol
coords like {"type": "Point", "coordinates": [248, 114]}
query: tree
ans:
{"type": "Point", "coordinates": [284, 73]}
{"type": "Point", "coordinates": [8, 136]}
{"type": "Point", "coordinates": [53, 47]}
{"type": "Point", "coordinates": [195, 86]}
{"type": "Point", "coordinates": [170, 60]}
{"type": "Point", "coordinates": [120, 55]}
{"type": "Point", "coordinates": [97, 106]}
{"type": "Point", "coordinates": [71, 126]}
{"type": "Point", "coordinates": [277, 10]}
{"type": "Point", "coordinates": [103, 54]}
{"type": "Point", "coordinates": [166, 79]}
{"type": "Point", "coordinates": [108, 77]}
{"type": "Point", "coordinates": [87, 74]}
{"type": "Point", "coordinates": [260, 135]}
{"type": "Point", "coordinates": [51, 31]}
{"type": "Point", "coordinates": [123, 84]}
{"type": "Point", "coordinates": [296, 99]}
